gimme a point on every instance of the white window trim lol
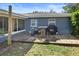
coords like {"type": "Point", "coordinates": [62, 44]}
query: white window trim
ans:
{"type": "Point", "coordinates": [35, 22]}
{"type": "Point", "coordinates": [42, 27]}
{"type": "Point", "coordinates": [52, 21]}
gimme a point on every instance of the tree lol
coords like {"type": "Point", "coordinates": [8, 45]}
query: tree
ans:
{"type": "Point", "coordinates": [71, 7]}
{"type": "Point", "coordinates": [75, 22]}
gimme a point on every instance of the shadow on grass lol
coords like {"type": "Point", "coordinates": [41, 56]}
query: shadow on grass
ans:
{"type": "Point", "coordinates": [29, 47]}
{"type": "Point", "coordinates": [17, 49]}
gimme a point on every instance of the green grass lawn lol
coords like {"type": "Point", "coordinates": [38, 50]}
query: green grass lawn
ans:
{"type": "Point", "coordinates": [52, 50]}
{"type": "Point", "coordinates": [28, 49]}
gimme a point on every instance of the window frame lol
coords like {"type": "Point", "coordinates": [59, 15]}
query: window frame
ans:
{"type": "Point", "coordinates": [34, 21]}
{"type": "Point", "coordinates": [52, 21]}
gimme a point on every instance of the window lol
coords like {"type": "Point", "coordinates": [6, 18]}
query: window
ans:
{"type": "Point", "coordinates": [21, 24]}
{"type": "Point", "coordinates": [52, 21]}
{"type": "Point", "coordinates": [33, 23]}
{"type": "Point", "coordinates": [3, 25]}
{"type": "Point", "coordinates": [15, 25]}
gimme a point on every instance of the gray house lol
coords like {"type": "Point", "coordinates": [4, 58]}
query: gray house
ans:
{"type": "Point", "coordinates": [31, 21]}
{"type": "Point", "coordinates": [43, 19]}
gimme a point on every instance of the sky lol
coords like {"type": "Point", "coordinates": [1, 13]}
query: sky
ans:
{"type": "Point", "coordinates": [30, 7]}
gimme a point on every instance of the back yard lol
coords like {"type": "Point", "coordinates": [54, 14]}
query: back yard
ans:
{"type": "Point", "coordinates": [19, 25]}
{"type": "Point", "coordinates": [20, 47]}
{"type": "Point", "coordinates": [30, 49]}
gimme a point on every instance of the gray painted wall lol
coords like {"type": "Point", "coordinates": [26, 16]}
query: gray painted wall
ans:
{"type": "Point", "coordinates": [62, 24]}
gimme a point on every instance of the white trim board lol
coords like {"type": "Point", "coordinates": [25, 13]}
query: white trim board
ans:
{"type": "Point", "coordinates": [42, 26]}
{"type": "Point", "coordinates": [15, 32]}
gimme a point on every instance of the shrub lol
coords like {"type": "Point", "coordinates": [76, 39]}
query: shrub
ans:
{"type": "Point", "coordinates": [75, 23]}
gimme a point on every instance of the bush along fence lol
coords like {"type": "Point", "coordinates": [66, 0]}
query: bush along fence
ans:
{"type": "Point", "coordinates": [75, 22]}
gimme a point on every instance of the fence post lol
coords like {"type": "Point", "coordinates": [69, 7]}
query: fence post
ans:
{"type": "Point", "coordinates": [10, 26]}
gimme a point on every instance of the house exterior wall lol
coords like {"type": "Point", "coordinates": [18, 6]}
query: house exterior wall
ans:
{"type": "Point", "coordinates": [62, 24]}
